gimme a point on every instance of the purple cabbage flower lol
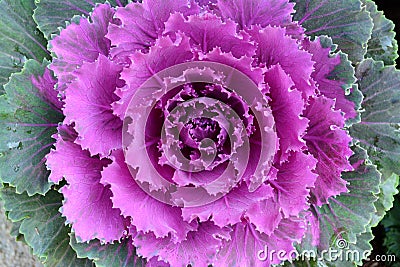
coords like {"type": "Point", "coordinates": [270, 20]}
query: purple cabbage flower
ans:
{"type": "Point", "coordinates": [186, 165]}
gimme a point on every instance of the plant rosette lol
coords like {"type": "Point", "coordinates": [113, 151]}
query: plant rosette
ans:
{"type": "Point", "coordinates": [176, 133]}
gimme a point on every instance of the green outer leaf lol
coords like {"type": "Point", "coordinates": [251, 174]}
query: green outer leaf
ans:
{"type": "Point", "coordinates": [379, 131]}
{"type": "Point", "coordinates": [107, 255]}
{"type": "Point", "coordinates": [26, 125]}
{"type": "Point", "coordinates": [380, 86]}
{"type": "Point", "coordinates": [382, 45]}
{"type": "Point", "coordinates": [43, 226]}
{"type": "Point", "coordinates": [345, 21]}
{"type": "Point", "coordinates": [344, 257]}
{"type": "Point", "coordinates": [361, 249]}
{"type": "Point", "coordinates": [20, 40]}
{"type": "Point", "coordinates": [387, 188]}
{"type": "Point", "coordinates": [14, 232]}
{"type": "Point", "coordinates": [347, 216]}
{"type": "Point", "coordinates": [52, 14]}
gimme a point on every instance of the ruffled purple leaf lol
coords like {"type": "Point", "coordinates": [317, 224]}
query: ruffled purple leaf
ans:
{"type": "Point", "coordinates": [275, 47]}
{"type": "Point", "coordinates": [329, 143]}
{"type": "Point", "coordinates": [287, 107]}
{"type": "Point", "coordinates": [87, 205]}
{"type": "Point", "coordinates": [243, 64]}
{"type": "Point", "coordinates": [294, 180]}
{"type": "Point", "coordinates": [146, 213]}
{"type": "Point", "coordinates": [65, 135]}
{"type": "Point", "coordinates": [207, 32]}
{"type": "Point", "coordinates": [204, 3]}
{"type": "Point", "coordinates": [229, 209]}
{"type": "Point", "coordinates": [199, 248]}
{"type": "Point", "coordinates": [246, 242]}
{"type": "Point", "coordinates": [88, 105]}
{"type": "Point", "coordinates": [256, 12]}
{"type": "Point", "coordinates": [140, 24]}
{"type": "Point", "coordinates": [265, 215]}
{"type": "Point", "coordinates": [145, 65]}
{"type": "Point", "coordinates": [81, 41]}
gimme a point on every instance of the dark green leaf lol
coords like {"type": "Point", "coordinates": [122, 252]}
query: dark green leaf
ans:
{"type": "Point", "coordinates": [346, 21]}
{"type": "Point", "coordinates": [20, 39]}
{"type": "Point", "coordinates": [43, 226]}
{"type": "Point", "coordinates": [15, 230]}
{"type": "Point", "coordinates": [382, 45]}
{"type": "Point", "coordinates": [119, 254]}
{"type": "Point", "coordinates": [27, 122]}
{"type": "Point", "coordinates": [392, 224]}
{"type": "Point", "coordinates": [52, 14]}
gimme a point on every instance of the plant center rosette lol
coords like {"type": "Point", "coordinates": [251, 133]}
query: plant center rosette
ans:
{"type": "Point", "coordinates": [200, 132]}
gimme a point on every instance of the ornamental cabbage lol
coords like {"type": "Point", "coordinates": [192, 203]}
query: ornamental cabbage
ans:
{"type": "Point", "coordinates": [298, 135]}
{"type": "Point", "coordinates": [210, 132]}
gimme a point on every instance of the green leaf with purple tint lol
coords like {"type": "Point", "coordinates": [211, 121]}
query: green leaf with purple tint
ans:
{"type": "Point", "coordinates": [20, 40]}
{"type": "Point", "coordinates": [379, 129]}
{"type": "Point", "coordinates": [344, 224]}
{"type": "Point", "coordinates": [120, 254]}
{"type": "Point", "coordinates": [346, 21]}
{"type": "Point", "coordinates": [29, 114]}
{"type": "Point", "coordinates": [350, 214]}
{"type": "Point", "coordinates": [42, 226]}
{"type": "Point", "coordinates": [382, 45]}
{"type": "Point", "coordinates": [52, 14]}
{"type": "Point", "coordinates": [387, 191]}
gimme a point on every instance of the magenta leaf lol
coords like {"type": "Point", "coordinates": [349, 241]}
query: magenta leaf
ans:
{"type": "Point", "coordinates": [146, 213]}
{"type": "Point", "coordinates": [294, 180]}
{"type": "Point", "coordinates": [257, 12]}
{"type": "Point", "coordinates": [86, 199]}
{"type": "Point", "coordinates": [207, 32]}
{"type": "Point", "coordinates": [275, 47]}
{"type": "Point", "coordinates": [246, 242]}
{"type": "Point", "coordinates": [82, 41]}
{"type": "Point", "coordinates": [334, 76]}
{"type": "Point", "coordinates": [199, 248]}
{"type": "Point", "coordinates": [229, 209]}
{"type": "Point", "coordinates": [142, 23]}
{"type": "Point", "coordinates": [145, 65]}
{"type": "Point", "coordinates": [88, 105]}
{"type": "Point", "coordinates": [329, 143]}
{"type": "Point", "coordinates": [287, 107]}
